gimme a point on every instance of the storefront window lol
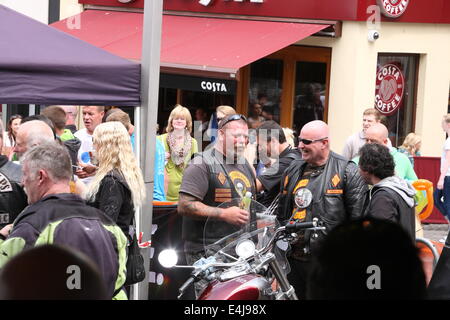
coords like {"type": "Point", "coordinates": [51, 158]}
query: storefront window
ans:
{"type": "Point", "coordinates": [310, 92]}
{"type": "Point", "coordinates": [22, 109]}
{"type": "Point", "coordinates": [167, 99]}
{"type": "Point", "coordinates": [265, 88]}
{"type": "Point", "coordinates": [207, 101]}
{"type": "Point", "coordinates": [395, 93]}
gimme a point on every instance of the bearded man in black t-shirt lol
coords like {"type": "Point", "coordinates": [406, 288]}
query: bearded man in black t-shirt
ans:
{"type": "Point", "coordinates": [213, 177]}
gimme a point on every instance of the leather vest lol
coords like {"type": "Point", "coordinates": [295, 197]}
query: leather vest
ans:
{"type": "Point", "coordinates": [328, 203]}
{"type": "Point", "coordinates": [12, 196]}
{"type": "Point", "coordinates": [223, 186]}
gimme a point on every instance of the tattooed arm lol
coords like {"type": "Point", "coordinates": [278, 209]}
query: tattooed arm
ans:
{"type": "Point", "coordinates": [190, 206]}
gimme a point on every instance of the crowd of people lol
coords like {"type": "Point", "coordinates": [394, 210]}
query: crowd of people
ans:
{"type": "Point", "coordinates": [77, 189]}
{"type": "Point", "coordinates": [370, 180]}
{"type": "Point", "coordinates": [80, 188]}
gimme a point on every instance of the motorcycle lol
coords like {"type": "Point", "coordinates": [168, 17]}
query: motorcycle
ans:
{"type": "Point", "coordinates": [246, 262]}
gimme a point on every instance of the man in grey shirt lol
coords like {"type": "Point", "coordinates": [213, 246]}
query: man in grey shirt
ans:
{"type": "Point", "coordinates": [357, 140]}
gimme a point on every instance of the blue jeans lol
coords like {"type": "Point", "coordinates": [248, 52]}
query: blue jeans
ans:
{"type": "Point", "coordinates": [443, 206]}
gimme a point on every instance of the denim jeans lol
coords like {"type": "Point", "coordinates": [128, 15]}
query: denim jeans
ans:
{"type": "Point", "coordinates": [443, 206]}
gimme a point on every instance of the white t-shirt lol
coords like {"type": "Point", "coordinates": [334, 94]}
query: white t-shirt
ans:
{"type": "Point", "coordinates": [86, 147]}
{"type": "Point", "coordinates": [444, 151]}
{"type": "Point", "coordinates": [6, 141]}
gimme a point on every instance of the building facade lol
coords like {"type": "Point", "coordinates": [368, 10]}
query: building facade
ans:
{"type": "Point", "coordinates": [299, 60]}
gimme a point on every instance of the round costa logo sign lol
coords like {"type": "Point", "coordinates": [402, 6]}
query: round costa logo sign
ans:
{"type": "Point", "coordinates": [393, 8]}
{"type": "Point", "coordinates": [389, 88]}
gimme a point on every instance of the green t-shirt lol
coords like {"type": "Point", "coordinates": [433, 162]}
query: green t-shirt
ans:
{"type": "Point", "coordinates": [403, 167]}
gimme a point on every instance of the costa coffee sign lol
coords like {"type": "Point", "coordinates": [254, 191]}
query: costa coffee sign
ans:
{"type": "Point", "coordinates": [389, 89]}
{"type": "Point", "coordinates": [393, 8]}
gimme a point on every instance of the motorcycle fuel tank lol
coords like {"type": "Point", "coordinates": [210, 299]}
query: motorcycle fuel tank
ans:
{"type": "Point", "coordinates": [246, 287]}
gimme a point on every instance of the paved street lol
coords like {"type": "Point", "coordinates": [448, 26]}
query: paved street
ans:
{"type": "Point", "coordinates": [435, 232]}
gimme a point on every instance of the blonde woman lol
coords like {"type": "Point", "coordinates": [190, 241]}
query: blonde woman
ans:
{"type": "Point", "coordinates": [411, 146]}
{"type": "Point", "coordinates": [223, 111]}
{"type": "Point", "coordinates": [211, 132]}
{"type": "Point", "coordinates": [118, 186]}
{"type": "Point", "coordinates": [290, 138]}
{"type": "Point", "coordinates": [179, 146]}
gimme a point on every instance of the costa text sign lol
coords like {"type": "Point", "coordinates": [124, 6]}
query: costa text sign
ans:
{"type": "Point", "coordinates": [393, 8]}
{"type": "Point", "coordinates": [210, 85]}
{"type": "Point", "coordinates": [389, 88]}
{"type": "Point", "coordinates": [208, 2]}
{"type": "Point", "coordinates": [214, 86]}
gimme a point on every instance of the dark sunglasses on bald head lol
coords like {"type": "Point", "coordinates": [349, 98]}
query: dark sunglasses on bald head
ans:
{"type": "Point", "coordinates": [307, 142]}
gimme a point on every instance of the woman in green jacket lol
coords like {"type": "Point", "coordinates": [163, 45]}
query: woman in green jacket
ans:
{"type": "Point", "coordinates": [179, 146]}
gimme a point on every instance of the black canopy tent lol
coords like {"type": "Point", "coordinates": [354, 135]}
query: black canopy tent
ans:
{"type": "Point", "coordinates": [42, 65]}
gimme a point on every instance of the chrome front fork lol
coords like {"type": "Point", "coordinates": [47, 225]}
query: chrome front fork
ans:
{"type": "Point", "coordinates": [287, 291]}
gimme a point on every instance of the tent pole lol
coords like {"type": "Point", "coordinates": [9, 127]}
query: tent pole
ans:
{"type": "Point", "coordinates": [5, 115]}
{"type": "Point", "coordinates": [150, 64]}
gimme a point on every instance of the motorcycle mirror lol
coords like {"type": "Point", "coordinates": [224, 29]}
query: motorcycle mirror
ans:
{"type": "Point", "coordinates": [168, 258]}
{"type": "Point", "coordinates": [283, 245]}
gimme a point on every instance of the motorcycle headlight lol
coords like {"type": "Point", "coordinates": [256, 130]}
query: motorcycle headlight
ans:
{"type": "Point", "coordinates": [245, 248]}
{"type": "Point", "coordinates": [168, 258]}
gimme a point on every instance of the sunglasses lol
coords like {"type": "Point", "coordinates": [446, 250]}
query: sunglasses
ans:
{"type": "Point", "coordinates": [233, 117]}
{"type": "Point", "coordinates": [307, 142]}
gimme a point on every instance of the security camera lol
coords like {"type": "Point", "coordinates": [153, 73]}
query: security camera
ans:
{"type": "Point", "coordinates": [373, 35]}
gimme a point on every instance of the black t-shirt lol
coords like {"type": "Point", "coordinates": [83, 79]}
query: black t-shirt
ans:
{"type": "Point", "coordinates": [196, 179]}
{"type": "Point", "coordinates": [310, 170]}
{"type": "Point", "coordinates": [212, 187]}
{"type": "Point", "coordinates": [271, 178]}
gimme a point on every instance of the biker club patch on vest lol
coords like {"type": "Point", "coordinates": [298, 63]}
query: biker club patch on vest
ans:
{"type": "Point", "coordinates": [221, 177]}
{"type": "Point", "coordinates": [5, 185]}
{"type": "Point", "coordinates": [334, 183]}
{"type": "Point", "coordinates": [299, 212]}
{"type": "Point", "coordinates": [241, 182]}
{"type": "Point", "coordinates": [222, 195]}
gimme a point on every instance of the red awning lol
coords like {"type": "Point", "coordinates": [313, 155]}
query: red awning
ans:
{"type": "Point", "coordinates": [196, 43]}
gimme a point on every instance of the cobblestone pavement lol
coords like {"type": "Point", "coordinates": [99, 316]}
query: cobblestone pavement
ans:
{"type": "Point", "coordinates": [435, 232]}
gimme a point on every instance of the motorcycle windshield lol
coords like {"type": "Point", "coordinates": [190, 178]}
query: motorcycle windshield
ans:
{"type": "Point", "coordinates": [224, 240]}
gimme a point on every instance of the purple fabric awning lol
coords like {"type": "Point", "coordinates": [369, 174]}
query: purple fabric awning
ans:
{"type": "Point", "coordinates": [42, 65]}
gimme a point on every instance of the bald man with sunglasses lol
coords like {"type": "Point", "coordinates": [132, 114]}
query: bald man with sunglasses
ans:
{"type": "Point", "coordinates": [322, 185]}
